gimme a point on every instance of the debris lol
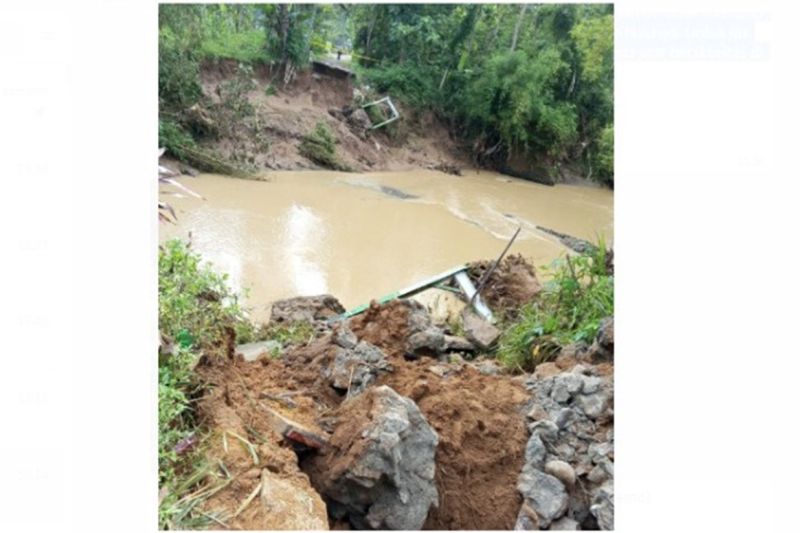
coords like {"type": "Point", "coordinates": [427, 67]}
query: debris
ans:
{"type": "Point", "coordinates": [291, 504]}
{"type": "Point", "coordinates": [312, 309]}
{"type": "Point", "coordinates": [454, 343]}
{"type": "Point", "coordinates": [573, 243]}
{"type": "Point", "coordinates": [295, 432]}
{"type": "Point", "coordinates": [356, 368]}
{"type": "Point", "coordinates": [379, 469]}
{"type": "Point", "coordinates": [479, 331]}
{"type": "Point", "coordinates": [544, 493]}
{"type": "Point", "coordinates": [253, 351]}
{"type": "Point", "coordinates": [512, 285]}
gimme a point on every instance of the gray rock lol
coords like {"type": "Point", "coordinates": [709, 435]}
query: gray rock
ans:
{"type": "Point", "coordinates": [597, 475]}
{"type": "Point", "coordinates": [565, 386]}
{"type": "Point", "coordinates": [527, 520]}
{"type": "Point", "coordinates": [593, 405]}
{"type": "Point", "coordinates": [564, 417]}
{"type": "Point", "coordinates": [429, 341]}
{"type": "Point", "coordinates": [562, 471]}
{"type": "Point", "coordinates": [306, 309]}
{"type": "Point", "coordinates": [455, 343]}
{"type": "Point", "coordinates": [389, 483]}
{"type": "Point", "coordinates": [356, 369]}
{"type": "Point", "coordinates": [479, 331]}
{"type": "Point", "coordinates": [544, 493]}
{"type": "Point", "coordinates": [344, 337]}
{"type": "Point", "coordinates": [591, 384]}
{"type": "Point", "coordinates": [603, 506]}
{"type": "Point", "coordinates": [564, 524]}
{"type": "Point", "coordinates": [537, 413]}
{"type": "Point", "coordinates": [545, 428]}
{"type": "Point", "coordinates": [605, 334]}
{"type": "Point", "coordinates": [535, 452]}
{"type": "Point", "coordinates": [599, 450]}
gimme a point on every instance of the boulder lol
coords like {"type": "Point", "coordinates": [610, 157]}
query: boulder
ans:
{"type": "Point", "coordinates": [356, 368]}
{"type": "Point", "coordinates": [454, 343]}
{"type": "Point", "coordinates": [310, 309]}
{"type": "Point", "coordinates": [379, 470]}
{"type": "Point", "coordinates": [479, 331]}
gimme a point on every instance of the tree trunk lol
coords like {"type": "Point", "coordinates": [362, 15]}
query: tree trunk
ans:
{"type": "Point", "coordinates": [517, 26]}
{"type": "Point", "coordinates": [371, 26]}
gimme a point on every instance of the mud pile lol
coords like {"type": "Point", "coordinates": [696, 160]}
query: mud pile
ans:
{"type": "Point", "coordinates": [374, 426]}
{"type": "Point", "coordinates": [512, 284]}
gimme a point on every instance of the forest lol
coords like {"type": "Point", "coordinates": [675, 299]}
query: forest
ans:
{"type": "Point", "coordinates": [512, 80]}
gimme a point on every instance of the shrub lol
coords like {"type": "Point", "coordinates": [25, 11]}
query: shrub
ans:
{"type": "Point", "coordinates": [178, 74]}
{"type": "Point", "coordinates": [174, 138]}
{"type": "Point", "coordinates": [579, 295]}
{"type": "Point", "coordinates": [320, 147]}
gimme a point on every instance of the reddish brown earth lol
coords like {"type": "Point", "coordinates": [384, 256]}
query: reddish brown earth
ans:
{"type": "Point", "coordinates": [512, 284]}
{"type": "Point", "coordinates": [482, 433]}
{"type": "Point", "coordinates": [417, 140]}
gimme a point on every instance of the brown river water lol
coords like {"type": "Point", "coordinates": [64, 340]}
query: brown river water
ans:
{"type": "Point", "coordinates": [361, 236]}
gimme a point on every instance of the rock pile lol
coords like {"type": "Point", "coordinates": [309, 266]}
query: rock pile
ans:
{"type": "Point", "coordinates": [379, 470]}
{"type": "Point", "coordinates": [567, 480]}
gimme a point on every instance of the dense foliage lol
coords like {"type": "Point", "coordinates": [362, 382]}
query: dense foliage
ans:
{"type": "Point", "coordinates": [529, 79]}
{"type": "Point", "coordinates": [577, 297]}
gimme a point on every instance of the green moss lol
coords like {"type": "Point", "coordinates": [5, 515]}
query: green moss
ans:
{"type": "Point", "coordinates": [320, 147]}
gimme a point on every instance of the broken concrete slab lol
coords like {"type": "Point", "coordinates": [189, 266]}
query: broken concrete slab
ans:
{"type": "Point", "coordinates": [310, 309]}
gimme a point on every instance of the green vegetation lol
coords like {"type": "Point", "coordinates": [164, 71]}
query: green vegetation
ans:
{"type": "Point", "coordinates": [174, 138]}
{"type": "Point", "coordinates": [320, 146]}
{"type": "Point", "coordinates": [197, 312]}
{"type": "Point", "coordinates": [579, 295]}
{"type": "Point", "coordinates": [530, 80]}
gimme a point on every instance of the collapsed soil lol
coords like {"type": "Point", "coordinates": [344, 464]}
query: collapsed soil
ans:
{"type": "Point", "coordinates": [286, 113]}
{"type": "Point", "coordinates": [512, 284]}
{"type": "Point", "coordinates": [482, 434]}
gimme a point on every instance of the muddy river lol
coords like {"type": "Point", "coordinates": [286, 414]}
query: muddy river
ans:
{"type": "Point", "coordinates": [360, 236]}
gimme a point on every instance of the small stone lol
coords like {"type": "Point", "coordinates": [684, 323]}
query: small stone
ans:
{"type": "Point", "coordinates": [546, 428]}
{"type": "Point", "coordinates": [527, 520]}
{"type": "Point", "coordinates": [429, 341]}
{"type": "Point", "coordinates": [458, 344]}
{"type": "Point", "coordinates": [591, 384]}
{"type": "Point", "coordinates": [599, 450]}
{"type": "Point", "coordinates": [344, 337]}
{"type": "Point", "coordinates": [564, 524]}
{"type": "Point", "coordinates": [597, 475]}
{"type": "Point", "coordinates": [546, 370]}
{"type": "Point", "coordinates": [603, 506]}
{"type": "Point", "coordinates": [564, 417]}
{"type": "Point", "coordinates": [537, 413]}
{"type": "Point", "coordinates": [456, 359]}
{"type": "Point", "coordinates": [592, 405]}
{"type": "Point", "coordinates": [562, 471]}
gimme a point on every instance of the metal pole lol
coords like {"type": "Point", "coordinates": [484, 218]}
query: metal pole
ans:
{"type": "Point", "coordinates": [491, 270]}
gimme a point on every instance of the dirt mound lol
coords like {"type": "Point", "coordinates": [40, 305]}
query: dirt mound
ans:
{"type": "Point", "coordinates": [481, 442]}
{"type": "Point", "coordinates": [479, 420]}
{"type": "Point", "coordinates": [512, 284]}
{"type": "Point", "coordinates": [386, 326]}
